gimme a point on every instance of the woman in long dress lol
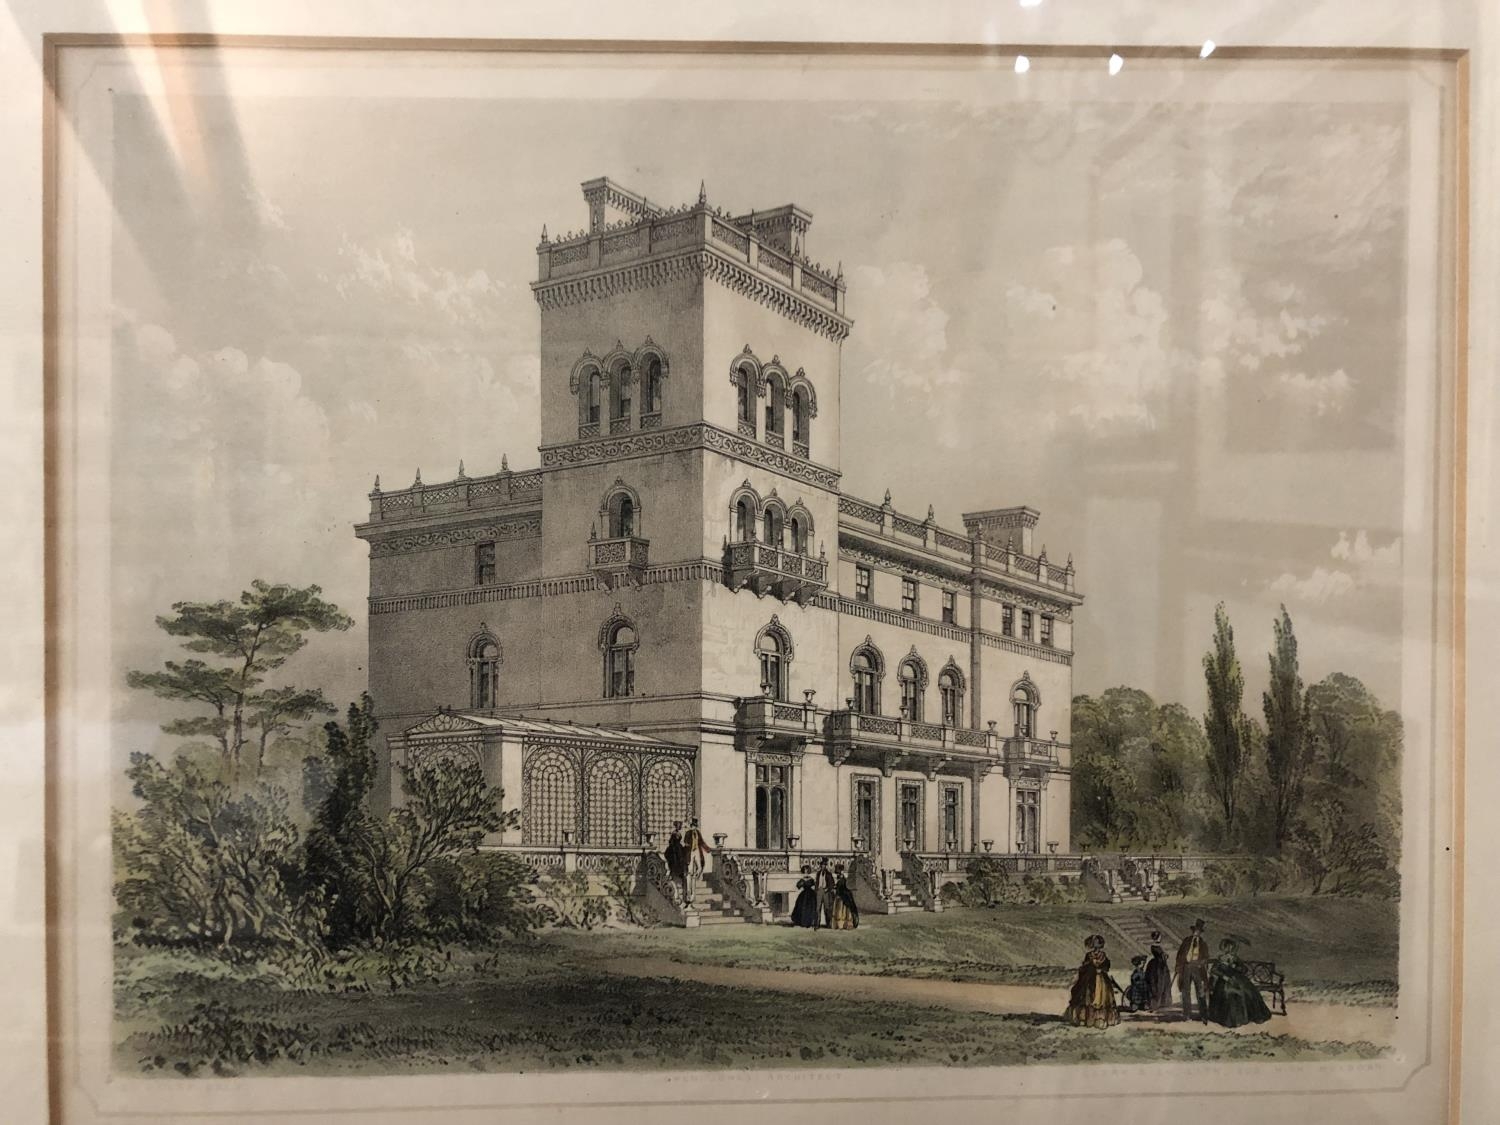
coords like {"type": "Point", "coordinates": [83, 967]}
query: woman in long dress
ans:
{"type": "Point", "coordinates": [805, 910]}
{"type": "Point", "coordinates": [845, 913]}
{"type": "Point", "coordinates": [1091, 1003]}
{"type": "Point", "coordinates": [1158, 976]}
{"type": "Point", "coordinates": [1233, 999]}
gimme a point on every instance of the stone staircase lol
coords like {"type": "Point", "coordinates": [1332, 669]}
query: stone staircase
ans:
{"type": "Point", "coordinates": [902, 900]}
{"type": "Point", "coordinates": [1134, 932]}
{"type": "Point", "coordinates": [713, 909]}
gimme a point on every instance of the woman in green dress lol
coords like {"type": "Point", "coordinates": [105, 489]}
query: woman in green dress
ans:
{"type": "Point", "coordinates": [1233, 999]}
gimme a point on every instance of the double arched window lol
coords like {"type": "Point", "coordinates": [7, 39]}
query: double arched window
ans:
{"type": "Point", "coordinates": [619, 640]}
{"type": "Point", "coordinates": [951, 692]}
{"type": "Point", "coordinates": [1024, 702]}
{"type": "Point", "coordinates": [868, 668]}
{"type": "Point", "coordinates": [484, 671]}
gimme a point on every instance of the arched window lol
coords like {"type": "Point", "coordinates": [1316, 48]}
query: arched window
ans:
{"type": "Point", "coordinates": [619, 660]}
{"type": "Point", "coordinates": [951, 691]}
{"type": "Point", "coordinates": [593, 387]}
{"type": "Point", "coordinates": [771, 526]}
{"type": "Point", "coordinates": [745, 398]}
{"type": "Point", "coordinates": [804, 403]}
{"type": "Point", "coordinates": [913, 681]}
{"type": "Point", "coordinates": [799, 417]}
{"type": "Point", "coordinates": [619, 398]}
{"type": "Point", "coordinates": [772, 665]}
{"type": "Point", "coordinates": [776, 407]}
{"type": "Point", "coordinates": [484, 671]}
{"type": "Point", "coordinates": [867, 668]}
{"type": "Point", "coordinates": [744, 520]}
{"type": "Point", "coordinates": [549, 800]}
{"type": "Point", "coordinates": [800, 526]}
{"type": "Point", "coordinates": [651, 387]}
{"type": "Point", "coordinates": [621, 516]}
{"type": "Point", "coordinates": [612, 803]}
{"type": "Point", "coordinates": [773, 648]}
{"type": "Point", "coordinates": [1023, 698]}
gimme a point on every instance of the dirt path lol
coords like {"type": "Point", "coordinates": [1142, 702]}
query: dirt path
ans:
{"type": "Point", "coordinates": [1316, 1022]}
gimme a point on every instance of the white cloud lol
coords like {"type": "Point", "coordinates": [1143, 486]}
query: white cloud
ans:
{"type": "Point", "coordinates": [1320, 394]}
{"type": "Point", "coordinates": [1318, 587]}
{"type": "Point", "coordinates": [390, 266]}
{"type": "Point", "coordinates": [266, 211]}
{"type": "Point", "coordinates": [902, 346]}
{"type": "Point", "coordinates": [1088, 335]}
{"type": "Point", "coordinates": [1364, 567]}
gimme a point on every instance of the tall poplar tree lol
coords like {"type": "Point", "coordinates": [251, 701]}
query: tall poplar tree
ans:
{"type": "Point", "coordinates": [1225, 723]}
{"type": "Point", "coordinates": [1289, 747]}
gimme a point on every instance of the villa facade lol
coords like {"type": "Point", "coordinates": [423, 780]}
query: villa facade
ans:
{"type": "Point", "coordinates": [680, 612]}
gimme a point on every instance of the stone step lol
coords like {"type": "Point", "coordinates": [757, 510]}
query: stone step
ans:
{"type": "Point", "coordinates": [720, 920]}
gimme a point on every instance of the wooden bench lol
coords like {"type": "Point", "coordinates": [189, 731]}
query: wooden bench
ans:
{"type": "Point", "coordinates": [1264, 976]}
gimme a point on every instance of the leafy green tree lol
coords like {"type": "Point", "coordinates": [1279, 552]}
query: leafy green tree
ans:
{"type": "Point", "coordinates": [1137, 768]}
{"type": "Point", "coordinates": [450, 807]}
{"type": "Point", "coordinates": [1225, 724]}
{"type": "Point", "coordinates": [337, 787]}
{"type": "Point", "coordinates": [1289, 749]}
{"type": "Point", "coordinates": [245, 640]}
{"type": "Point", "coordinates": [1357, 754]}
{"type": "Point", "coordinates": [201, 863]}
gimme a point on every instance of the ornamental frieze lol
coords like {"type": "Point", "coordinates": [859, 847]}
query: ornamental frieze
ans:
{"type": "Point", "coordinates": [696, 263]}
{"type": "Point", "coordinates": [894, 560]}
{"type": "Point", "coordinates": [527, 527]}
{"type": "Point", "coordinates": [699, 435]}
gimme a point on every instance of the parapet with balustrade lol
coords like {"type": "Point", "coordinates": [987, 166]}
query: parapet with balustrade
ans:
{"type": "Point", "coordinates": [649, 232]}
{"type": "Point", "coordinates": [883, 519]}
{"type": "Point", "coordinates": [461, 494]}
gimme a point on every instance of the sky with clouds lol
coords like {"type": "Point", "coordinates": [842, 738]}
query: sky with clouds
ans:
{"type": "Point", "coordinates": [1110, 311]}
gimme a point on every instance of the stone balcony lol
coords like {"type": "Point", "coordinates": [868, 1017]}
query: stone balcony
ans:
{"type": "Point", "coordinates": [890, 741]}
{"type": "Point", "coordinates": [778, 724]}
{"type": "Point", "coordinates": [770, 570]}
{"type": "Point", "coordinates": [620, 560]}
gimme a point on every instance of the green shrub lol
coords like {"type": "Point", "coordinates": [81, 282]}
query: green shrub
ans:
{"type": "Point", "coordinates": [566, 901]}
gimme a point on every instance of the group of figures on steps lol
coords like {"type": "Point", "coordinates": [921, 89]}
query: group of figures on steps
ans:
{"type": "Point", "coordinates": [824, 900]}
{"type": "Point", "coordinates": [1219, 987]}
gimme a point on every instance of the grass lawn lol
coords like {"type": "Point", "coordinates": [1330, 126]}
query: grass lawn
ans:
{"type": "Point", "coordinates": [1335, 949]}
{"type": "Point", "coordinates": [543, 1008]}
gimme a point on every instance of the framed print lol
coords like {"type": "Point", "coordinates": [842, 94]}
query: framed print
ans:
{"type": "Point", "coordinates": [656, 577]}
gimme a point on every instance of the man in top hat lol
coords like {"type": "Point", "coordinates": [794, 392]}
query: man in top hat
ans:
{"type": "Point", "coordinates": [696, 848]}
{"type": "Point", "coordinates": [826, 887]}
{"type": "Point", "coordinates": [1192, 971]}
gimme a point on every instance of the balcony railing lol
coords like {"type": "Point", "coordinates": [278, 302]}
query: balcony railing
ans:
{"type": "Point", "coordinates": [1030, 750]}
{"type": "Point", "coordinates": [849, 728]}
{"type": "Point", "coordinates": [768, 569]}
{"type": "Point", "coordinates": [621, 559]}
